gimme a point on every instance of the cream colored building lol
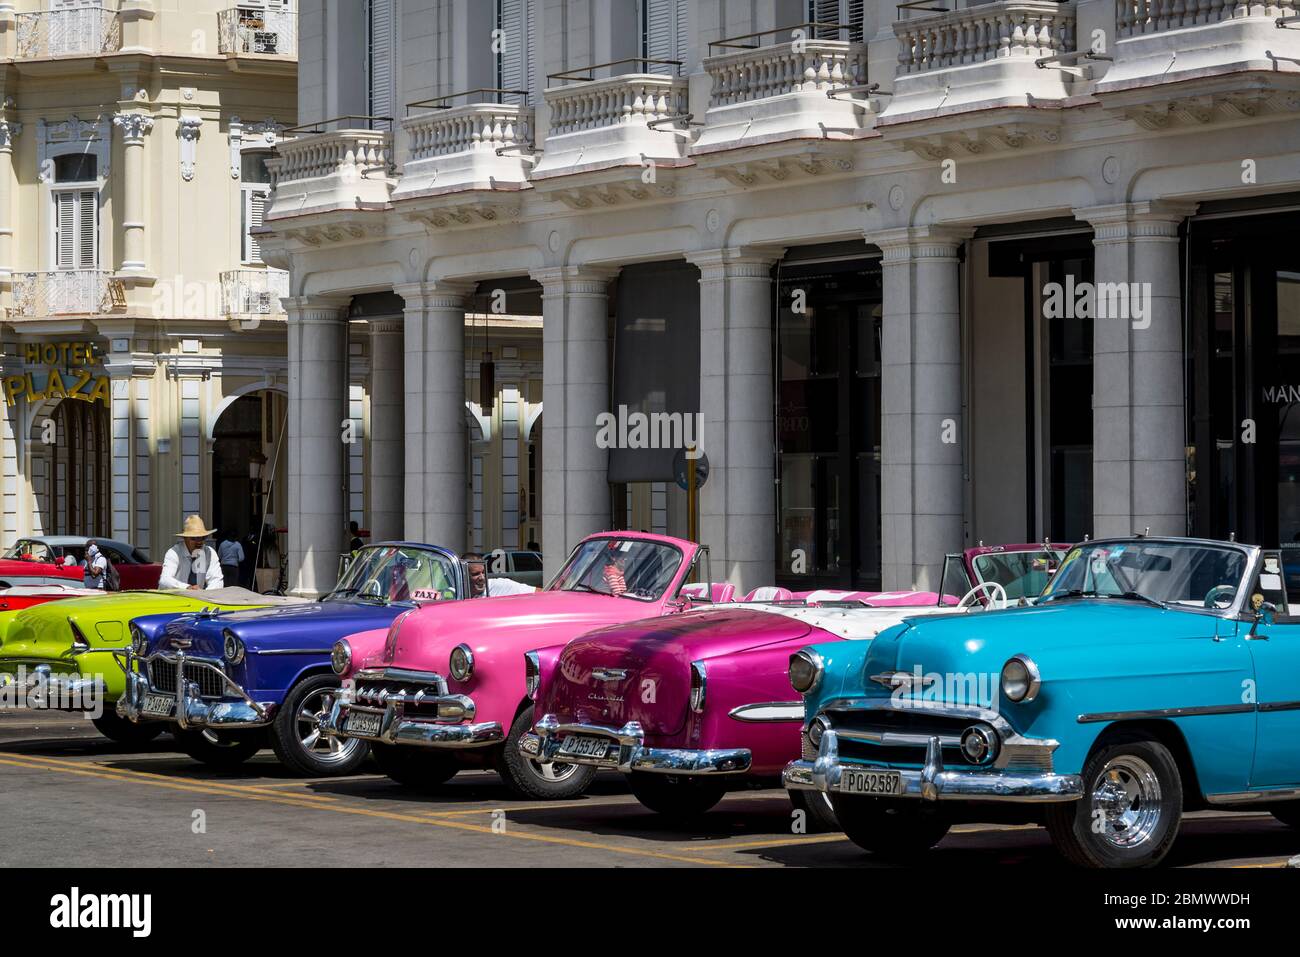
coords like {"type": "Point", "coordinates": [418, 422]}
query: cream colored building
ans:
{"type": "Point", "coordinates": [144, 373]}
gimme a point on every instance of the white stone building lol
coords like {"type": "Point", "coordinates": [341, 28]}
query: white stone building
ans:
{"type": "Point", "coordinates": [930, 276]}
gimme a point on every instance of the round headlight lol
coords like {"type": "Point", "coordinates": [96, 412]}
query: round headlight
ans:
{"type": "Point", "coordinates": [341, 656]}
{"type": "Point", "coordinates": [979, 744]}
{"type": "Point", "coordinates": [462, 662]}
{"type": "Point", "coordinates": [139, 643]}
{"type": "Point", "coordinates": [805, 670]}
{"type": "Point", "coordinates": [1020, 679]}
{"type": "Point", "coordinates": [233, 647]}
{"type": "Point", "coordinates": [816, 729]}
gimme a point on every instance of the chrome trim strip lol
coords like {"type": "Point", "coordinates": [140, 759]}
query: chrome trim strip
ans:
{"type": "Point", "coordinates": [787, 711]}
{"type": "Point", "coordinates": [1255, 797]}
{"type": "Point", "coordinates": [543, 746]}
{"type": "Point", "coordinates": [1275, 706]}
{"type": "Point", "coordinates": [1166, 713]}
{"type": "Point", "coordinates": [288, 651]}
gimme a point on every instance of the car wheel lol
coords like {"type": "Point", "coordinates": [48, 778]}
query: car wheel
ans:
{"type": "Point", "coordinates": [676, 796]}
{"type": "Point", "coordinates": [546, 782]}
{"type": "Point", "coordinates": [1131, 807]}
{"type": "Point", "coordinates": [1288, 814]}
{"type": "Point", "coordinates": [126, 732]}
{"type": "Point", "coordinates": [819, 813]}
{"type": "Point", "coordinates": [414, 767]}
{"type": "Point", "coordinates": [890, 828]}
{"type": "Point", "coordinates": [298, 736]}
{"type": "Point", "coordinates": [221, 749]}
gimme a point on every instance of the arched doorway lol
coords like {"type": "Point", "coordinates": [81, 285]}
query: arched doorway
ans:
{"type": "Point", "coordinates": [72, 468]}
{"type": "Point", "coordinates": [245, 442]}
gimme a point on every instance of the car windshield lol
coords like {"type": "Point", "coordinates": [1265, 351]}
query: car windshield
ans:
{"type": "Point", "coordinates": [1022, 574]}
{"type": "Point", "coordinates": [1191, 574]}
{"type": "Point", "coordinates": [29, 551]}
{"type": "Point", "coordinates": [621, 567]}
{"type": "Point", "coordinates": [389, 573]}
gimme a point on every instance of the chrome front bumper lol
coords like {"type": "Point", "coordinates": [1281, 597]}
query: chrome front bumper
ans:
{"type": "Point", "coordinates": [40, 688]}
{"type": "Point", "coordinates": [543, 746]}
{"type": "Point", "coordinates": [451, 725]}
{"type": "Point", "coordinates": [934, 782]}
{"type": "Point", "coordinates": [191, 710]}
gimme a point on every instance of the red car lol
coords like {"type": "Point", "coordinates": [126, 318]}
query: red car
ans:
{"type": "Point", "coordinates": [43, 561]}
{"type": "Point", "coordinates": [25, 596]}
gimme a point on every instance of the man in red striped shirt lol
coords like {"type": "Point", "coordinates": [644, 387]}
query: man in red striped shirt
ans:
{"type": "Point", "coordinates": [613, 574]}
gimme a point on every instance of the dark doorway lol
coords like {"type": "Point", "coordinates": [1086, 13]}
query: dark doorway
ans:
{"type": "Point", "coordinates": [828, 426]}
{"type": "Point", "coordinates": [1244, 381]}
{"type": "Point", "coordinates": [237, 450]}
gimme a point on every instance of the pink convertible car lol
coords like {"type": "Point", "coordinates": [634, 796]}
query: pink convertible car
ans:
{"type": "Point", "coordinates": [690, 706]}
{"type": "Point", "coordinates": [444, 687]}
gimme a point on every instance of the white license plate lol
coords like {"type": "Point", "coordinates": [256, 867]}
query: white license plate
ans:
{"type": "Point", "coordinates": [581, 747]}
{"type": "Point", "coordinates": [159, 705]}
{"type": "Point", "coordinates": [885, 783]}
{"type": "Point", "coordinates": [363, 723]}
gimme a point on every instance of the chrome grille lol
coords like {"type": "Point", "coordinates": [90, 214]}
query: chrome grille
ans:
{"type": "Point", "coordinates": [411, 695]}
{"type": "Point", "coordinates": [809, 750]}
{"type": "Point", "coordinates": [162, 675]}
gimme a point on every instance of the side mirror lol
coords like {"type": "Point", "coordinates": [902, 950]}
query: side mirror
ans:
{"type": "Point", "coordinates": [1265, 615]}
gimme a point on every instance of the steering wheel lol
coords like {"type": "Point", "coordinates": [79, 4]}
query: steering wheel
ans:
{"type": "Point", "coordinates": [1217, 593]}
{"type": "Point", "coordinates": [372, 589]}
{"type": "Point", "coordinates": [997, 596]}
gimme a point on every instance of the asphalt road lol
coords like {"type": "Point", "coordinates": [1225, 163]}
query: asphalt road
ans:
{"type": "Point", "coordinates": [69, 797]}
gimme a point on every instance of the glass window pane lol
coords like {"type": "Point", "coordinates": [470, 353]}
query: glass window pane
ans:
{"type": "Point", "coordinates": [253, 167]}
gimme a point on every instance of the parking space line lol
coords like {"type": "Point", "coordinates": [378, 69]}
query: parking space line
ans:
{"type": "Point", "coordinates": [773, 842]}
{"type": "Point", "coordinates": [287, 800]}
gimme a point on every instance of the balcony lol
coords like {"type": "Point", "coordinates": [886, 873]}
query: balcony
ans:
{"type": "Point", "coordinates": [257, 30]}
{"type": "Point", "coordinates": [317, 169]}
{"type": "Point", "coordinates": [981, 57]}
{"type": "Point", "coordinates": [75, 32]}
{"type": "Point", "coordinates": [614, 122]}
{"type": "Point", "coordinates": [1201, 45]}
{"type": "Point", "coordinates": [75, 292]}
{"type": "Point", "coordinates": [473, 147]}
{"type": "Point", "coordinates": [253, 292]}
{"type": "Point", "coordinates": [781, 91]}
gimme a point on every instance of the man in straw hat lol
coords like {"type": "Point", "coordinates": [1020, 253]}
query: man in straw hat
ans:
{"type": "Point", "coordinates": [191, 563]}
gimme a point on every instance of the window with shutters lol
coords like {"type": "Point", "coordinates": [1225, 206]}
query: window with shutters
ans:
{"type": "Point", "coordinates": [254, 190]}
{"type": "Point", "coordinates": [848, 13]}
{"type": "Point", "coordinates": [76, 229]}
{"type": "Point", "coordinates": [664, 34]}
{"type": "Point", "coordinates": [380, 59]}
{"type": "Point", "coordinates": [515, 67]}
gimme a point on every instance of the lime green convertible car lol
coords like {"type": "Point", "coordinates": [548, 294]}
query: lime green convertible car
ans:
{"type": "Point", "coordinates": [59, 656]}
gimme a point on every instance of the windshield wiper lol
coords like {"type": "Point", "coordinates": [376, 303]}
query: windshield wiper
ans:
{"type": "Point", "coordinates": [583, 586]}
{"type": "Point", "coordinates": [1124, 596]}
{"type": "Point", "coordinates": [1138, 596]}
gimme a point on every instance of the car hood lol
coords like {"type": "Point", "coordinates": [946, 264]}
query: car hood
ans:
{"type": "Point", "coordinates": [1074, 640]}
{"type": "Point", "coordinates": [511, 623]}
{"type": "Point", "coordinates": [641, 671]}
{"type": "Point", "coordinates": [315, 626]}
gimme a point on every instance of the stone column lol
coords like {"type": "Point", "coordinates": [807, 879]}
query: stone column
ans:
{"type": "Point", "coordinates": [435, 437]}
{"type": "Point", "coordinates": [575, 390]}
{"type": "Point", "coordinates": [134, 127]}
{"type": "Point", "coordinates": [9, 130]}
{"type": "Point", "coordinates": [387, 431]}
{"type": "Point", "coordinates": [1139, 464]}
{"type": "Point", "coordinates": [317, 333]}
{"type": "Point", "coordinates": [738, 502]}
{"type": "Point", "coordinates": [922, 508]}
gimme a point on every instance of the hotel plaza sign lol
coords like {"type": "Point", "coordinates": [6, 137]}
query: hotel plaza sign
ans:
{"type": "Point", "coordinates": [59, 370]}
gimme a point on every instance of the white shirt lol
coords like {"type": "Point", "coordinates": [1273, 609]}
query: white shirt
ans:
{"type": "Point", "coordinates": [497, 587]}
{"type": "Point", "coordinates": [177, 565]}
{"type": "Point", "coordinates": [97, 570]}
{"type": "Point", "coordinates": [231, 552]}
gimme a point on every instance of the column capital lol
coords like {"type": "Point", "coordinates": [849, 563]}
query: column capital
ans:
{"type": "Point", "coordinates": [9, 131]}
{"type": "Point", "coordinates": [437, 294]}
{"type": "Point", "coordinates": [580, 279]}
{"type": "Point", "coordinates": [385, 327]}
{"type": "Point", "coordinates": [1144, 219]}
{"type": "Point", "coordinates": [315, 308]}
{"type": "Point", "coordinates": [912, 243]}
{"type": "Point", "coordinates": [134, 126]}
{"type": "Point", "coordinates": [743, 262]}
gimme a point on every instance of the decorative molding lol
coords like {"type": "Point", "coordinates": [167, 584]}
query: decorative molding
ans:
{"type": "Point", "coordinates": [73, 135]}
{"type": "Point", "coordinates": [134, 126]}
{"type": "Point", "coordinates": [189, 128]}
{"type": "Point", "coordinates": [718, 265]}
{"type": "Point", "coordinates": [1144, 219]}
{"type": "Point", "coordinates": [910, 244]}
{"type": "Point", "coordinates": [9, 131]}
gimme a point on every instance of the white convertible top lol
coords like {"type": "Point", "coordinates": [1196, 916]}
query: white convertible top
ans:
{"type": "Point", "coordinates": [855, 624]}
{"type": "Point", "coordinates": [234, 595]}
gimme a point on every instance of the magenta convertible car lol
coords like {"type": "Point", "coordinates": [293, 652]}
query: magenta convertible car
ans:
{"type": "Point", "coordinates": [690, 706]}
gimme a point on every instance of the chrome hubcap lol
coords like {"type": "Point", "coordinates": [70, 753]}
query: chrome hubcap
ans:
{"type": "Point", "coordinates": [1126, 802]}
{"type": "Point", "coordinates": [555, 772]}
{"type": "Point", "coordinates": [312, 715]}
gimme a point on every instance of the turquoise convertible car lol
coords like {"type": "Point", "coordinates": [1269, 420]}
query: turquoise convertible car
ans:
{"type": "Point", "coordinates": [1154, 676]}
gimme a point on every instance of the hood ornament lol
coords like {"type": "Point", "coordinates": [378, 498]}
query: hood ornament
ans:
{"type": "Point", "coordinates": [609, 674]}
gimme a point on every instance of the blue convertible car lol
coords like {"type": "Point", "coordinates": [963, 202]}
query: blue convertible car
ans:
{"type": "Point", "coordinates": [1153, 677]}
{"type": "Point", "coordinates": [227, 682]}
